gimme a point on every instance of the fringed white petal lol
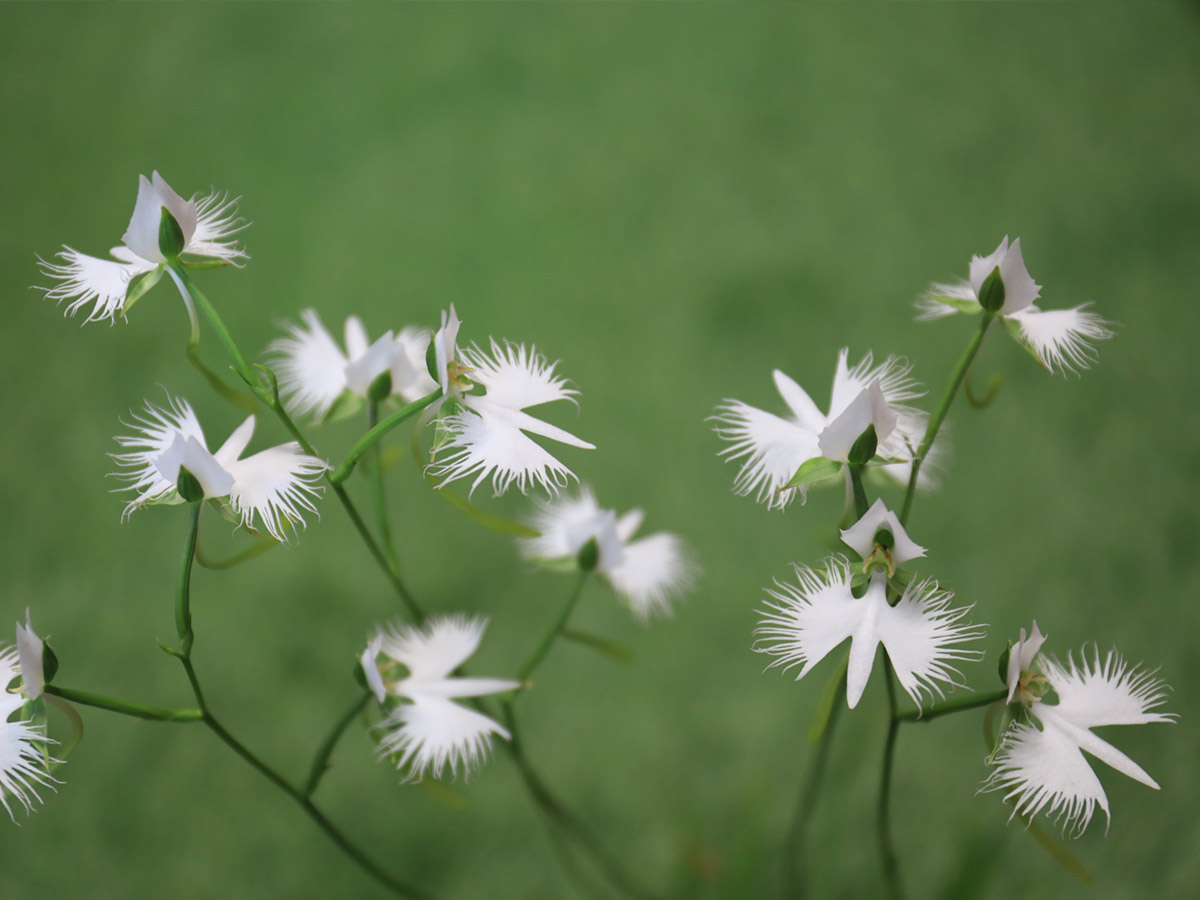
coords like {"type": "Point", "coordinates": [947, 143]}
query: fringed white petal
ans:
{"type": "Point", "coordinates": [277, 485]}
{"type": "Point", "coordinates": [558, 522]}
{"type": "Point", "coordinates": [157, 429]}
{"type": "Point", "coordinates": [432, 734]}
{"type": "Point", "coordinates": [1108, 692]}
{"type": "Point", "coordinates": [860, 536]}
{"type": "Point", "coordinates": [84, 280]}
{"type": "Point", "coordinates": [1060, 337]}
{"type": "Point", "coordinates": [650, 572]}
{"type": "Point", "coordinates": [941, 299]}
{"type": "Point", "coordinates": [516, 378]}
{"type": "Point", "coordinates": [893, 375]}
{"type": "Point", "coordinates": [435, 650]}
{"type": "Point", "coordinates": [22, 746]}
{"type": "Point", "coordinates": [217, 222]}
{"type": "Point", "coordinates": [310, 366]}
{"type": "Point", "coordinates": [773, 449]}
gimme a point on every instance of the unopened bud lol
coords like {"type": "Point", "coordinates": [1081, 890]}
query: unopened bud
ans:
{"type": "Point", "coordinates": [381, 388]}
{"type": "Point", "coordinates": [170, 235]}
{"type": "Point", "coordinates": [188, 486]}
{"type": "Point", "coordinates": [588, 556]}
{"type": "Point", "coordinates": [864, 448]}
{"type": "Point", "coordinates": [991, 293]}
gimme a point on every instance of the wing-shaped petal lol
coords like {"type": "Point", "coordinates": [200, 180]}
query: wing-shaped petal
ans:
{"type": "Point", "coordinates": [650, 571]}
{"type": "Point", "coordinates": [310, 366]}
{"type": "Point", "coordinates": [216, 222]}
{"type": "Point", "coordinates": [773, 449]}
{"type": "Point", "coordinates": [84, 279]}
{"type": "Point", "coordinates": [431, 653]}
{"type": "Point", "coordinates": [1060, 337]}
{"type": "Point", "coordinates": [156, 431]}
{"type": "Point", "coordinates": [516, 378]}
{"type": "Point", "coordinates": [433, 733]}
{"type": "Point", "coordinates": [277, 485]}
{"type": "Point", "coordinates": [1106, 693]}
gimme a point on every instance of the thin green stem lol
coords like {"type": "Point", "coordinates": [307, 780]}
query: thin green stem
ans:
{"type": "Point", "coordinates": [125, 707]}
{"type": "Point", "coordinates": [183, 605]}
{"type": "Point", "coordinates": [377, 491]}
{"type": "Point", "coordinates": [191, 293]}
{"type": "Point", "coordinates": [887, 848]}
{"type": "Point", "coordinates": [547, 641]}
{"type": "Point", "coordinates": [320, 763]}
{"type": "Point", "coordinates": [342, 472]}
{"type": "Point", "coordinates": [959, 704]}
{"type": "Point", "coordinates": [939, 413]}
{"type": "Point", "coordinates": [795, 847]}
{"type": "Point", "coordinates": [860, 494]}
{"type": "Point", "coordinates": [259, 547]}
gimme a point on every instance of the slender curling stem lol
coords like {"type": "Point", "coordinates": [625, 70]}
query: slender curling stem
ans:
{"type": "Point", "coordinates": [183, 604]}
{"type": "Point", "coordinates": [795, 843]}
{"type": "Point", "coordinates": [320, 764]}
{"type": "Point", "coordinates": [939, 413]}
{"type": "Point", "coordinates": [959, 704]}
{"type": "Point", "coordinates": [378, 430]}
{"type": "Point", "coordinates": [125, 707]}
{"type": "Point", "coordinates": [547, 641]}
{"type": "Point", "coordinates": [193, 294]}
{"type": "Point", "coordinates": [556, 813]}
{"type": "Point", "coordinates": [258, 548]}
{"type": "Point", "coordinates": [887, 848]}
{"type": "Point", "coordinates": [377, 491]}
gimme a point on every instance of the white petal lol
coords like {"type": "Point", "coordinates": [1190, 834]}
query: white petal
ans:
{"type": "Point", "coordinates": [142, 234]}
{"type": "Point", "coordinates": [310, 366]}
{"type": "Point", "coordinates": [370, 667]}
{"type": "Point", "coordinates": [184, 211]}
{"type": "Point", "coordinates": [861, 535]}
{"type": "Point", "coordinates": [86, 279]}
{"type": "Point", "coordinates": [1020, 290]}
{"type": "Point", "coordinates": [431, 734]}
{"type": "Point", "coordinates": [803, 409]}
{"type": "Point", "coordinates": [628, 524]}
{"type": "Point", "coordinates": [892, 374]}
{"type": "Point", "coordinates": [157, 430]}
{"type": "Point", "coordinates": [650, 571]}
{"type": "Point", "coordinates": [773, 449]}
{"type": "Point", "coordinates": [190, 454]}
{"type": "Point", "coordinates": [236, 444]}
{"type": "Point", "coordinates": [276, 485]}
{"type": "Point", "coordinates": [868, 408]}
{"type": "Point", "coordinates": [1021, 656]}
{"type": "Point", "coordinates": [516, 378]}
{"type": "Point", "coordinates": [449, 688]}
{"type": "Point", "coordinates": [370, 364]}
{"type": "Point", "coordinates": [22, 746]}
{"type": "Point", "coordinates": [410, 374]}
{"type": "Point", "coordinates": [556, 522]}
{"type": "Point", "coordinates": [435, 650]}
{"type": "Point", "coordinates": [943, 299]}
{"type": "Point", "coordinates": [30, 649]}
{"type": "Point", "coordinates": [1060, 336]}
{"type": "Point", "coordinates": [1106, 693]}
{"type": "Point", "coordinates": [216, 222]}
{"type": "Point", "coordinates": [357, 341]}
{"type": "Point", "coordinates": [445, 347]}
{"type": "Point", "coordinates": [1054, 717]}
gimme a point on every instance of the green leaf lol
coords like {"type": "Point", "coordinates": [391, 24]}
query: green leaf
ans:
{"type": "Point", "coordinates": [829, 696]}
{"type": "Point", "coordinates": [812, 471]}
{"type": "Point", "coordinates": [608, 648]}
{"type": "Point", "coordinates": [971, 307]}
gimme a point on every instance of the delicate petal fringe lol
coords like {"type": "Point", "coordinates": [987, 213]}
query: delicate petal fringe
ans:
{"type": "Point", "coordinates": [23, 757]}
{"type": "Point", "coordinates": [1060, 336]}
{"type": "Point", "coordinates": [84, 279]}
{"type": "Point", "coordinates": [156, 429]}
{"type": "Point", "coordinates": [216, 222]}
{"type": "Point", "coordinates": [310, 366]}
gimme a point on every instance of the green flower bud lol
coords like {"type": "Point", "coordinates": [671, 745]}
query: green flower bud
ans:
{"type": "Point", "coordinates": [864, 448]}
{"type": "Point", "coordinates": [188, 486]}
{"type": "Point", "coordinates": [1002, 668]}
{"type": "Point", "coordinates": [170, 235]}
{"type": "Point", "coordinates": [49, 663]}
{"type": "Point", "coordinates": [884, 538]}
{"type": "Point", "coordinates": [381, 388]}
{"type": "Point", "coordinates": [588, 556]}
{"type": "Point", "coordinates": [991, 294]}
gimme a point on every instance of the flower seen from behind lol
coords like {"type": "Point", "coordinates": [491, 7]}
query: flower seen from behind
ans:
{"type": "Point", "coordinates": [427, 731]}
{"type": "Point", "coordinates": [1059, 338]}
{"type": "Point", "coordinates": [23, 740]}
{"type": "Point", "coordinates": [314, 372]}
{"type": "Point", "coordinates": [646, 572]}
{"type": "Point", "coordinates": [772, 449]}
{"type": "Point", "coordinates": [207, 225]}
{"type": "Point", "coordinates": [488, 434]}
{"type": "Point", "coordinates": [1040, 763]}
{"type": "Point", "coordinates": [275, 485]}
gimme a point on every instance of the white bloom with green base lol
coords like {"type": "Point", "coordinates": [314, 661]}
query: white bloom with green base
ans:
{"type": "Point", "coordinates": [1059, 338]}
{"type": "Point", "coordinates": [922, 634]}
{"type": "Point", "coordinates": [646, 572]}
{"type": "Point", "coordinates": [23, 742]}
{"type": "Point", "coordinates": [860, 537]}
{"type": "Point", "coordinates": [1040, 763]}
{"type": "Point", "coordinates": [431, 731]}
{"type": "Point", "coordinates": [275, 485]}
{"type": "Point", "coordinates": [314, 371]}
{"type": "Point", "coordinates": [774, 448]}
{"type": "Point", "coordinates": [488, 435]}
{"type": "Point", "coordinates": [207, 224]}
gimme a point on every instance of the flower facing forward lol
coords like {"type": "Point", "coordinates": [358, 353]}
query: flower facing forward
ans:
{"type": "Point", "coordinates": [646, 572]}
{"type": "Point", "coordinates": [275, 485]}
{"type": "Point", "coordinates": [430, 731]}
{"type": "Point", "coordinates": [922, 634]}
{"type": "Point", "coordinates": [878, 537]}
{"type": "Point", "coordinates": [314, 372]}
{"type": "Point", "coordinates": [23, 740]}
{"type": "Point", "coordinates": [1040, 763]}
{"type": "Point", "coordinates": [206, 225]}
{"type": "Point", "coordinates": [773, 449]}
{"type": "Point", "coordinates": [1059, 338]}
{"type": "Point", "coordinates": [488, 434]}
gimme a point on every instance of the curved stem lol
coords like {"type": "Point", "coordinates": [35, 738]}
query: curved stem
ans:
{"type": "Point", "coordinates": [377, 491]}
{"type": "Point", "coordinates": [258, 548]}
{"type": "Point", "coordinates": [939, 413]}
{"type": "Point", "coordinates": [547, 641]}
{"type": "Point", "coordinates": [960, 704]}
{"type": "Point", "coordinates": [193, 294]}
{"type": "Point", "coordinates": [125, 707]}
{"type": "Point", "coordinates": [183, 605]}
{"type": "Point", "coordinates": [887, 849]}
{"type": "Point", "coordinates": [320, 764]}
{"type": "Point", "coordinates": [860, 494]}
{"type": "Point", "coordinates": [342, 472]}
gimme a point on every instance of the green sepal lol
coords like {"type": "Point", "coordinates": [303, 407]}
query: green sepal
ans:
{"type": "Point", "coordinates": [431, 359]}
{"type": "Point", "coordinates": [381, 388]}
{"type": "Point", "coordinates": [139, 285]}
{"type": "Point", "coordinates": [168, 649]}
{"type": "Point", "coordinates": [588, 556]}
{"type": "Point", "coordinates": [813, 471]}
{"type": "Point", "coordinates": [863, 449]}
{"type": "Point", "coordinates": [1002, 666]}
{"type": "Point", "coordinates": [188, 486]}
{"type": "Point", "coordinates": [609, 648]}
{"type": "Point", "coordinates": [991, 292]}
{"type": "Point", "coordinates": [346, 405]}
{"type": "Point", "coordinates": [971, 307]}
{"type": "Point", "coordinates": [195, 261]}
{"type": "Point", "coordinates": [1014, 330]}
{"type": "Point", "coordinates": [832, 693]}
{"type": "Point", "coordinates": [360, 677]}
{"type": "Point", "coordinates": [49, 663]}
{"type": "Point", "coordinates": [170, 235]}
{"type": "Point", "coordinates": [226, 511]}
{"type": "Point", "coordinates": [1057, 851]}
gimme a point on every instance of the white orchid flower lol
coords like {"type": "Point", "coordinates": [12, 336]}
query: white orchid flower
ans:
{"type": "Point", "coordinates": [23, 741]}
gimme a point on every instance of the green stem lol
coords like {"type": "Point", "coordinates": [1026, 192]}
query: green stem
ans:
{"type": "Point", "coordinates": [543, 647]}
{"type": "Point", "coordinates": [125, 707]}
{"type": "Point", "coordinates": [188, 288]}
{"type": "Point", "coordinates": [320, 764]}
{"type": "Point", "coordinates": [860, 494]}
{"type": "Point", "coordinates": [183, 603]}
{"type": "Point", "coordinates": [377, 485]}
{"type": "Point", "coordinates": [259, 547]}
{"type": "Point", "coordinates": [959, 704]}
{"type": "Point", "coordinates": [887, 848]}
{"type": "Point", "coordinates": [939, 413]}
{"type": "Point", "coordinates": [342, 472]}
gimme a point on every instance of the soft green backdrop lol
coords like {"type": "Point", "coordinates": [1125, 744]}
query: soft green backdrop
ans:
{"type": "Point", "coordinates": [673, 200]}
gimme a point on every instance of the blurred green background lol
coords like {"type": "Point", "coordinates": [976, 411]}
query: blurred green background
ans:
{"type": "Point", "coordinates": [673, 200]}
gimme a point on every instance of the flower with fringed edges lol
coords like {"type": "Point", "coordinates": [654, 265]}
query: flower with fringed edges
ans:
{"type": "Point", "coordinates": [207, 225]}
{"type": "Point", "coordinates": [487, 435]}
{"type": "Point", "coordinates": [314, 372]}
{"type": "Point", "coordinates": [646, 572]}
{"type": "Point", "coordinates": [275, 485]}
{"type": "Point", "coordinates": [1040, 764]}
{"type": "Point", "coordinates": [773, 449]}
{"type": "Point", "coordinates": [431, 731]}
{"type": "Point", "coordinates": [922, 634]}
{"type": "Point", "coordinates": [23, 741]}
{"type": "Point", "coordinates": [1058, 338]}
